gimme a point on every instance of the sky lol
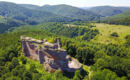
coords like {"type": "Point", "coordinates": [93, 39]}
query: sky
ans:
{"type": "Point", "coordinates": [77, 3]}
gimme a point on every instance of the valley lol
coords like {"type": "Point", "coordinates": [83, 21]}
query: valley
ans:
{"type": "Point", "coordinates": [64, 42]}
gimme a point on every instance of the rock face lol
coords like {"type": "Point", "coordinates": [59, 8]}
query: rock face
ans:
{"type": "Point", "coordinates": [50, 55]}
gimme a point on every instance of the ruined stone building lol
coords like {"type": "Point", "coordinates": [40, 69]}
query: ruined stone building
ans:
{"type": "Point", "coordinates": [49, 54]}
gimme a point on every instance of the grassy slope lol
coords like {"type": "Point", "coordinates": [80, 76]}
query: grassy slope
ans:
{"type": "Point", "coordinates": [106, 30]}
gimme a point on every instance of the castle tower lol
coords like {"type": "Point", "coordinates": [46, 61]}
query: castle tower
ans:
{"type": "Point", "coordinates": [58, 43]}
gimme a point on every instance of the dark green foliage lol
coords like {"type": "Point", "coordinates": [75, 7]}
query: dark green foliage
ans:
{"type": "Point", "coordinates": [111, 57]}
{"type": "Point", "coordinates": [23, 59]}
{"type": "Point", "coordinates": [83, 54]}
{"type": "Point", "coordinates": [127, 40]}
{"type": "Point", "coordinates": [114, 34]}
{"type": "Point", "coordinates": [116, 64]}
{"type": "Point", "coordinates": [64, 30]}
{"type": "Point", "coordinates": [106, 75]}
{"type": "Point", "coordinates": [77, 75]}
{"type": "Point", "coordinates": [27, 75]}
{"type": "Point", "coordinates": [90, 34]}
{"type": "Point", "coordinates": [87, 24]}
{"type": "Point", "coordinates": [117, 50]}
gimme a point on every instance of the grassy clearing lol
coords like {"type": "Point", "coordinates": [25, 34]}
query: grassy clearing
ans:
{"type": "Point", "coordinates": [105, 33]}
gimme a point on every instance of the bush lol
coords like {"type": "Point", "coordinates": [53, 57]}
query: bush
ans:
{"type": "Point", "coordinates": [114, 34]}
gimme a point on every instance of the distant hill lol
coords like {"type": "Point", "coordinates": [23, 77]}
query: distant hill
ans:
{"type": "Point", "coordinates": [108, 10]}
{"type": "Point", "coordinates": [123, 18]}
{"type": "Point", "coordinates": [70, 11]}
{"type": "Point", "coordinates": [119, 16]}
{"type": "Point", "coordinates": [14, 15]}
{"type": "Point", "coordinates": [15, 11]}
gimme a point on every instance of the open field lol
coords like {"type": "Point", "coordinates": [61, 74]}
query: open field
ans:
{"type": "Point", "coordinates": [106, 30]}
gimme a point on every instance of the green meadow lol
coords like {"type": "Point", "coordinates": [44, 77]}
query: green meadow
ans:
{"type": "Point", "coordinates": [105, 33]}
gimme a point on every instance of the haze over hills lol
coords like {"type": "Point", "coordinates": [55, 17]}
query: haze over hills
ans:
{"type": "Point", "coordinates": [122, 18]}
{"type": "Point", "coordinates": [68, 11]}
{"type": "Point", "coordinates": [119, 16]}
{"type": "Point", "coordinates": [108, 10]}
{"type": "Point", "coordinates": [34, 13]}
{"type": "Point", "coordinates": [21, 14]}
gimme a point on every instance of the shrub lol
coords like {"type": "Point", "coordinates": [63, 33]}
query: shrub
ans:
{"type": "Point", "coordinates": [115, 34]}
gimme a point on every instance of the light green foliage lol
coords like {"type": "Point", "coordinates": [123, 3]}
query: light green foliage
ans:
{"type": "Point", "coordinates": [105, 30]}
{"type": "Point", "coordinates": [105, 75]}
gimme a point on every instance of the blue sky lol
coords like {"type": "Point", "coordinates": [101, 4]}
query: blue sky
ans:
{"type": "Point", "coordinates": [78, 3]}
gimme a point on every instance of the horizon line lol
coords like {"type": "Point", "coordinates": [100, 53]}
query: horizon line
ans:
{"type": "Point", "coordinates": [63, 4]}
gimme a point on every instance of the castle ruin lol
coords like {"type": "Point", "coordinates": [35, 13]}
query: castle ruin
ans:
{"type": "Point", "coordinates": [49, 54]}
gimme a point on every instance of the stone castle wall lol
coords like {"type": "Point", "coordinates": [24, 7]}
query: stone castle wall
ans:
{"type": "Point", "coordinates": [51, 58]}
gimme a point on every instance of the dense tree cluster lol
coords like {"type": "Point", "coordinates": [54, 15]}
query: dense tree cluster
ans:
{"type": "Point", "coordinates": [113, 58]}
{"type": "Point", "coordinates": [127, 40]}
{"type": "Point", "coordinates": [87, 24]}
{"type": "Point", "coordinates": [86, 33]}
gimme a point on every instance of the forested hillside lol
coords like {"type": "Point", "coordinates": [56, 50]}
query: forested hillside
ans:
{"type": "Point", "coordinates": [102, 49]}
{"type": "Point", "coordinates": [15, 11]}
{"type": "Point", "coordinates": [108, 10]}
{"type": "Point", "coordinates": [123, 18]}
{"type": "Point", "coordinates": [104, 61]}
{"type": "Point", "coordinates": [7, 23]}
{"type": "Point", "coordinates": [85, 33]}
{"type": "Point", "coordinates": [70, 11]}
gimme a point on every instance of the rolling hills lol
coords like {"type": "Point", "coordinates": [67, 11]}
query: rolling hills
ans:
{"type": "Point", "coordinates": [123, 19]}
{"type": "Point", "coordinates": [23, 14]}
{"type": "Point", "coordinates": [18, 12]}
{"type": "Point", "coordinates": [119, 16]}
{"type": "Point", "coordinates": [68, 11]}
{"type": "Point", "coordinates": [108, 10]}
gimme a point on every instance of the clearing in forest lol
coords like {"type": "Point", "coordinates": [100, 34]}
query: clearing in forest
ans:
{"type": "Point", "coordinates": [106, 30]}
